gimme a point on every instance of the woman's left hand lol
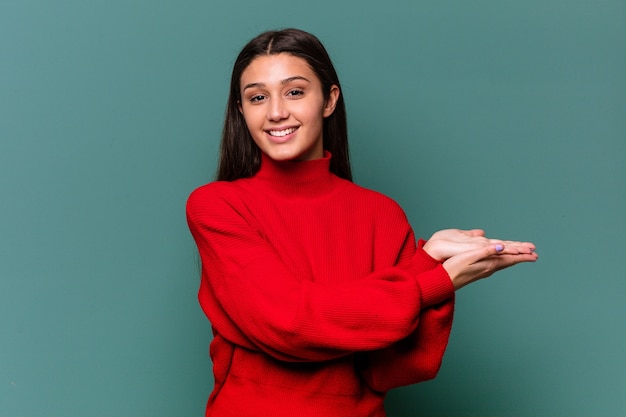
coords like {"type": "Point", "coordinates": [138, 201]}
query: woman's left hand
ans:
{"type": "Point", "coordinates": [447, 243]}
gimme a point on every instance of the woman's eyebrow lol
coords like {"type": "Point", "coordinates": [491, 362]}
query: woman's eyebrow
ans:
{"type": "Point", "coordinates": [283, 82]}
{"type": "Point", "coordinates": [297, 77]}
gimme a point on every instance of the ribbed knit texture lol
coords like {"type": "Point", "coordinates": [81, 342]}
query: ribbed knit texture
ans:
{"type": "Point", "coordinates": [318, 295]}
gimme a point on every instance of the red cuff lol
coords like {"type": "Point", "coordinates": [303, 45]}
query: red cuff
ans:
{"type": "Point", "coordinates": [433, 280]}
{"type": "Point", "coordinates": [435, 286]}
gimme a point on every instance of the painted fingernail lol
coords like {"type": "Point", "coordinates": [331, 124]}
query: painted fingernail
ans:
{"type": "Point", "coordinates": [499, 248]}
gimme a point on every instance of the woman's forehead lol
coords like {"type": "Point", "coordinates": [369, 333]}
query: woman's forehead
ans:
{"type": "Point", "coordinates": [277, 69]}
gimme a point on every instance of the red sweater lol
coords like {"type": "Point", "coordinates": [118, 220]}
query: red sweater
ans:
{"type": "Point", "coordinates": [319, 298]}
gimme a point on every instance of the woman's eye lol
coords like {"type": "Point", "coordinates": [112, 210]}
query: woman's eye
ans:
{"type": "Point", "coordinates": [295, 93]}
{"type": "Point", "coordinates": [256, 99]}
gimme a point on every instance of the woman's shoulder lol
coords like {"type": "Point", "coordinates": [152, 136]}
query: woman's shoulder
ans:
{"type": "Point", "coordinates": [376, 200]}
{"type": "Point", "coordinates": [213, 194]}
{"type": "Point", "coordinates": [211, 190]}
{"type": "Point", "coordinates": [214, 188]}
{"type": "Point", "coordinates": [371, 194]}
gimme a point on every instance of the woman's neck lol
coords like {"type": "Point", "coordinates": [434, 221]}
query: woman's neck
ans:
{"type": "Point", "coordinates": [296, 178]}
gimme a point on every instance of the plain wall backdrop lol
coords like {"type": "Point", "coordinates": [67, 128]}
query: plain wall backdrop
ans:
{"type": "Point", "coordinates": [504, 115]}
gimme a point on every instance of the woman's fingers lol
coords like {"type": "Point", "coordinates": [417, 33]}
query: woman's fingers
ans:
{"type": "Point", "coordinates": [473, 265]}
{"type": "Point", "coordinates": [474, 232]}
{"type": "Point", "coordinates": [473, 256]}
{"type": "Point", "coordinates": [447, 243]}
{"type": "Point", "coordinates": [512, 245]}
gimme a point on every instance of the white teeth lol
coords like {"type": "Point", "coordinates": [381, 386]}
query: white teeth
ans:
{"type": "Point", "coordinates": [281, 133]}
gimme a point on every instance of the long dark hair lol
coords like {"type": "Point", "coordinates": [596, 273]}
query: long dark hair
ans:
{"type": "Point", "coordinates": [240, 157]}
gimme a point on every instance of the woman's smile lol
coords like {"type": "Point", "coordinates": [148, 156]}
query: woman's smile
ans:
{"type": "Point", "coordinates": [281, 133]}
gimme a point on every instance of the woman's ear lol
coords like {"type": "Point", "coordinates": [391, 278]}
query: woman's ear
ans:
{"type": "Point", "coordinates": [239, 106]}
{"type": "Point", "coordinates": [331, 103]}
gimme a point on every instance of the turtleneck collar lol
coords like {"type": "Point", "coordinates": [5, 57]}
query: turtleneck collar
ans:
{"type": "Point", "coordinates": [297, 178]}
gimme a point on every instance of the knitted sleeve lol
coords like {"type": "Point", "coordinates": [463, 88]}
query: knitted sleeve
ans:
{"type": "Point", "coordinates": [253, 300]}
{"type": "Point", "coordinates": [417, 357]}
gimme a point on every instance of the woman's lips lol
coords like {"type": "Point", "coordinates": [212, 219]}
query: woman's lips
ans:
{"type": "Point", "coordinates": [281, 135]}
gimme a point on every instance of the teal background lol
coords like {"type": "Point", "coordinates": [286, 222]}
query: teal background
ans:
{"type": "Point", "coordinates": [505, 115]}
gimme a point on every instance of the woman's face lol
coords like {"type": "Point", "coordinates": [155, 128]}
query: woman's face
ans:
{"type": "Point", "coordinates": [284, 108]}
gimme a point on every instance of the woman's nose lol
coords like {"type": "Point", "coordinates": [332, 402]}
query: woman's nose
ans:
{"type": "Point", "coordinates": [277, 110]}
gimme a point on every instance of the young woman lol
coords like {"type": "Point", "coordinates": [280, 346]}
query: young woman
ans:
{"type": "Point", "coordinates": [319, 297]}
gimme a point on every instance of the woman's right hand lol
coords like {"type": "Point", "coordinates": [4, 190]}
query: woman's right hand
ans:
{"type": "Point", "coordinates": [472, 265]}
